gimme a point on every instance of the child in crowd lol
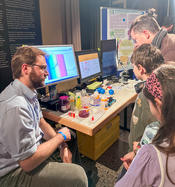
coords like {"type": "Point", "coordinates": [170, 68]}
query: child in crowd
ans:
{"type": "Point", "coordinates": [145, 59]}
{"type": "Point", "coordinates": [154, 164]}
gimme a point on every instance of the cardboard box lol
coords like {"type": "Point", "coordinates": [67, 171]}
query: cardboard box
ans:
{"type": "Point", "coordinates": [94, 146]}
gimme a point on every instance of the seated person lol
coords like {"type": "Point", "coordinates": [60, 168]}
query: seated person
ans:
{"type": "Point", "coordinates": [145, 59]}
{"type": "Point", "coordinates": [25, 160]}
{"type": "Point", "coordinates": [154, 164]}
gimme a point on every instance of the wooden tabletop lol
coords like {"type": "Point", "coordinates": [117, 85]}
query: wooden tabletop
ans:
{"type": "Point", "coordinates": [124, 95]}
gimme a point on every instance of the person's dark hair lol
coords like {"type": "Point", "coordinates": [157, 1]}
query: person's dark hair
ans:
{"type": "Point", "coordinates": [147, 56]}
{"type": "Point", "coordinates": [146, 21]}
{"type": "Point", "coordinates": [24, 55]}
{"type": "Point", "coordinates": [152, 12]}
{"type": "Point", "coordinates": [166, 76]}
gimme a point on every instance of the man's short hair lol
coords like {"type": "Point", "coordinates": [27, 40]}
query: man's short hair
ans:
{"type": "Point", "coordinates": [148, 56]}
{"type": "Point", "coordinates": [145, 22]}
{"type": "Point", "coordinates": [24, 55]}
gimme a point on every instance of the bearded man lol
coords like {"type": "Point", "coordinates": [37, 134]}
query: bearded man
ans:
{"type": "Point", "coordinates": [25, 159]}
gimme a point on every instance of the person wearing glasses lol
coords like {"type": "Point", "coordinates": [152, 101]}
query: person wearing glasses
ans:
{"type": "Point", "coordinates": [146, 30]}
{"type": "Point", "coordinates": [25, 159]}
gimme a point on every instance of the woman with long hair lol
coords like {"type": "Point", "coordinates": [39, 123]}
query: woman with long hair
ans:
{"type": "Point", "coordinates": [154, 164]}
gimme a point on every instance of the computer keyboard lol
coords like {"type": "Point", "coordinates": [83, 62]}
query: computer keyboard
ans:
{"type": "Point", "coordinates": [94, 85]}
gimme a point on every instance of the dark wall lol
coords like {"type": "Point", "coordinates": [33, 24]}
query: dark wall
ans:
{"type": "Point", "coordinates": [19, 25]}
{"type": "Point", "coordinates": [90, 16]}
{"type": "Point", "coordinates": [172, 7]}
{"type": "Point", "coordinates": [5, 77]}
{"type": "Point", "coordinates": [88, 23]}
{"type": "Point", "coordinates": [159, 5]}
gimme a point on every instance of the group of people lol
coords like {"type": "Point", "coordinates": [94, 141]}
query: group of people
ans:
{"type": "Point", "coordinates": [33, 154]}
{"type": "Point", "coordinates": [152, 119]}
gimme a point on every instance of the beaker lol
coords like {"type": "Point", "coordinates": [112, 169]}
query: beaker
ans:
{"type": "Point", "coordinates": [64, 103]}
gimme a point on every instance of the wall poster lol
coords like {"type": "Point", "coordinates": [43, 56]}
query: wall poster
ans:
{"type": "Point", "coordinates": [115, 24]}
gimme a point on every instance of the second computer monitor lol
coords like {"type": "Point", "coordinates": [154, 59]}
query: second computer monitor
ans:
{"type": "Point", "coordinates": [88, 64]}
{"type": "Point", "coordinates": [108, 58]}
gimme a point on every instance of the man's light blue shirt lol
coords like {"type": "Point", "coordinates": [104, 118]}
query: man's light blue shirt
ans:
{"type": "Point", "coordinates": [20, 133]}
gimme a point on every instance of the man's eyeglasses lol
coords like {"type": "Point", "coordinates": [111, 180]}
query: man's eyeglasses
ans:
{"type": "Point", "coordinates": [42, 67]}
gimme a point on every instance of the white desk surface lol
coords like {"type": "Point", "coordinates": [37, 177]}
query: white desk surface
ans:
{"type": "Point", "coordinates": [124, 95]}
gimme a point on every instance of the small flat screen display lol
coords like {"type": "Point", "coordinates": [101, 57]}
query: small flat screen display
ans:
{"type": "Point", "coordinates": [108, 58]}
{"type": "Point", "coordinates": [88, 64]}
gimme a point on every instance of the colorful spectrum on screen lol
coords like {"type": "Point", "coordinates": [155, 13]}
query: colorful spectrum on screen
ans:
{"type": "Point", "coordinates": [61, 63]}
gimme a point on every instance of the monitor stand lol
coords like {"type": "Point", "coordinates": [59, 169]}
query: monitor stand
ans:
{"type": "Point", "coordinates": [113, 79]}
{"type": "Point", "coordinates": [50, 101]}
{"type": "Point", "coordinates": [53, 92]}
{"type": "Point", "coordinates": [81, 86]}
{"type": "Point", "coordinates": [125, 76]}
{"type": "Point", "coordinates": [44, 96]}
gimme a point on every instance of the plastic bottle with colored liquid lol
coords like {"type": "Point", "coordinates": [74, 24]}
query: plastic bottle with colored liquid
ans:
{"type": "Point", "coordinates": [78, 103]}
{"type": "Point", "coordinates": [72, 102]}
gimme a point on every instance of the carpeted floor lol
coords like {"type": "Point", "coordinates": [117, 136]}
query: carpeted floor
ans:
{"type": "Point", "coordinates": [104, 171]}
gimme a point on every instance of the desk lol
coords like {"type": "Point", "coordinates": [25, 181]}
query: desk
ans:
{"type": "Point", "coordinates": [124, 95]}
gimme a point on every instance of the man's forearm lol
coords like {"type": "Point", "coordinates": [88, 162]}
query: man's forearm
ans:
{"type": "Point", "coordinates": [48, 131]}
{"type": "Point", "coordinates": [44, 150]}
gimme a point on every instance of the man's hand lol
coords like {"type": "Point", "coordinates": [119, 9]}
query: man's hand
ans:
{"type": "Point", "coordinates": [66, 132]}
{"type": "Point", "coordinates": [127, 159]}
{"type": "Point", "coordinates": [65, 153]}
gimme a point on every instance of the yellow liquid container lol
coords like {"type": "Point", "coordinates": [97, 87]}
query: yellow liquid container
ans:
{"type": "Point", "coordinates": [72, 103]}
{"type": "Point", "coordinates": [78, 103]}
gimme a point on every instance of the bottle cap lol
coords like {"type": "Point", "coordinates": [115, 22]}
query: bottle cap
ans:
{"type": "Point", "coordinates": [111, 92]}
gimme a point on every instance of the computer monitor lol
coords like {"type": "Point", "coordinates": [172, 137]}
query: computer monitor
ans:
{"type": "Point", "coordinates": [108, 58]}
{"type": "Point", "coordinates": [89, 65]}
{"type": "Point", "coordinates": [61, 63]}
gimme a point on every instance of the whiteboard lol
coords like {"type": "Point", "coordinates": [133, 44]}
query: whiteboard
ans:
{"type": "Point", "coordinates": [115, 24]}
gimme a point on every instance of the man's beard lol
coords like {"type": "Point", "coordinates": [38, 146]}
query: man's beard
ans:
{"type": "Point", "coordinates": [36, 81]}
